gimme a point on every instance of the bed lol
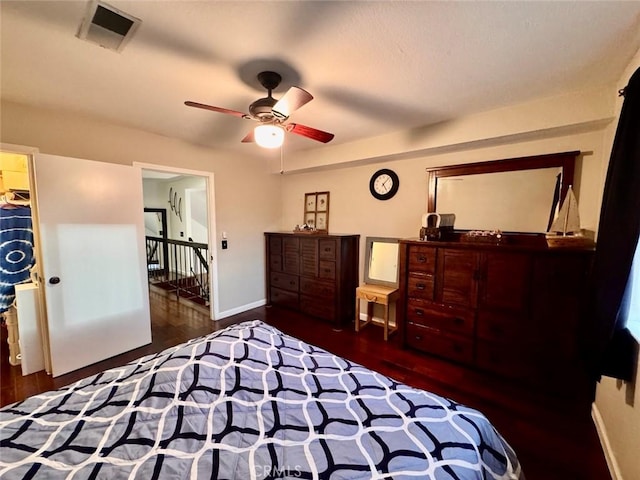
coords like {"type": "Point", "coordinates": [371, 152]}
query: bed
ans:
{"type": "Point", "coordinates": [247, 402]}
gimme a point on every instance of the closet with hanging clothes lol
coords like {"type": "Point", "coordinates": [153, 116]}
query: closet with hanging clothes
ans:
{"type": "Point", "coordinates": [19, 299]}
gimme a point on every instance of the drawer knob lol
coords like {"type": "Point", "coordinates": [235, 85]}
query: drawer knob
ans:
{"type": "Point", "coordinates": [458, 321]}
{"type": "Point", "coordinates": [419, 312]}
{"type": "Point", "coordinates": [418, 337]}
{"type": "Point", "coordinates": [422, 259]}
{"type": "Point", "coordinates": [420, 286]}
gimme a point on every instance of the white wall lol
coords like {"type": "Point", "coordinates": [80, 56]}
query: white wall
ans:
{"type": "Point", "coordinates": [617, 405]}
{"type": "Point", "coordinates": [156, 195]}
{"type": "Point", "coordinates": [561, 115]}
{"type": "Point", "coordinates": [568, 122]}
{"type": "Point", "coordinates": [178, 223]}
{"type": "Point", "coordinates": [354, 210]}
{"type": "Point", "coordinates": [241, 267]}
{"type": "Point", "coordinates": [196, 212]}
{"type": "Point", "coordinates": [153, 193]}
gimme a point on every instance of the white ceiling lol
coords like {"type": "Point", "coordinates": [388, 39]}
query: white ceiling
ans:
{"type": "Point", "coordinates": [373, 67]}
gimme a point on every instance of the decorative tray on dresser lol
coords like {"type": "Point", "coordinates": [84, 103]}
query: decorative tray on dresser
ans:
{"type": "Point", "coordinates": [314, 274]}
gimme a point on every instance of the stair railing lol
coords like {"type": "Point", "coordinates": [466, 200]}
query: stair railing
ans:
{"type": "Point", "coordinates": [179, 266]}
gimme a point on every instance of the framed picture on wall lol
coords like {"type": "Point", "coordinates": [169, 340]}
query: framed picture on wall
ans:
{"type": "Point", "coordinates": [310, 202]}
{"type": "Point", "coordinates": [316, 210]}
{"type": "Point", "coordinates": [310, 219]}
{"type": "Point", "coordinates": [322, 202]}
{"type": "Point", "coordinates": [321, 220]}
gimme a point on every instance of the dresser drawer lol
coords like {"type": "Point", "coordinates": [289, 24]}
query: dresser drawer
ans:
{"type": "Point", "coordinates": [451, 319]}
{"type": "Point", "coordinates": [510, 360]}
{"type": "Point", "coordinates": [505, 326]}
{"type": "Point", "coordinates": [275, 262]}
{"type": "Point", "coordinates": [428, 340]}
{"type": "Point", "coordinates": [291, 252]}
{"type": "Point", "coordinates": [284, 281]}
{"type": "Point", "coordinates": [327, 270]}
{"type": "Point", "coordinates": [284, 298]}
{"type": "Point", "coordinates": [275, 245]}
{"type": "Point", "coordinates": [539, 361]}
{"type": "Point", "coordinates": [291, 244]}
{"type": "Point", "coordinates": [317, 307]}
{"type": "Point", "coordinates": [291, 262]}
{"type": "Point", "coordinates": [316, 288]}
{"type": "Point", "coordinates": [420, 286]}
{"type": "Point", "coordinates": [422, 259]}
{"type": "Point", "coordinates": [327, 249]}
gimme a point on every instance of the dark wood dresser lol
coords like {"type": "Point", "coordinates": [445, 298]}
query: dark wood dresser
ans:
{"type": "Point", "coordinates": [315, 274]}
{"type": "Point", "coordinates": [509, 309]}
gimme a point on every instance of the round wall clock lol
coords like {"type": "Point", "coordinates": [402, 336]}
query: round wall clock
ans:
{"type": "Point", "coordinates": [384, 184]}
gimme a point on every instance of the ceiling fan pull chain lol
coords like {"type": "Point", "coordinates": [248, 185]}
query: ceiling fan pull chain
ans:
{"type": "Point", "coordinates": [282, 159]}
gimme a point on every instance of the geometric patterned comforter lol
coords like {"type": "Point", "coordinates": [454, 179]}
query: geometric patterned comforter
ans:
{"type": "Point", "coordinates": [247, 402]}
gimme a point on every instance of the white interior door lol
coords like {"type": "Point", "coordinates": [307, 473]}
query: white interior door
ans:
{"type": "Point", "coordinates": [93, 255]}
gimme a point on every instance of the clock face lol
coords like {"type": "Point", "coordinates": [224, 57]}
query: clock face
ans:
{"type": "Point", "coordinates": [384, 184]}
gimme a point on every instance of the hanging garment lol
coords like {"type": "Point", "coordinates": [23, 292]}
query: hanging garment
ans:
{"type": "Point", "coordinates": [16, 251]}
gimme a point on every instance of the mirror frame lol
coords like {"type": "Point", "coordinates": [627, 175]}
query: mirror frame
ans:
{"type": "Point", "coordinates": [369, 241]}
{"type": "Point", "coordinates": [163, 219]}
{"type": "Point", "coordinates": [566, 160]}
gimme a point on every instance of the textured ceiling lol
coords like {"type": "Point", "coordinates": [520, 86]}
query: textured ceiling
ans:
{"type": "Point", "coordinates": [373, 67]}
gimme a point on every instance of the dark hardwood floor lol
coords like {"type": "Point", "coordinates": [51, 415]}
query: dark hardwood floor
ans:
{"type": "Point", "coordinates": [554, 437]}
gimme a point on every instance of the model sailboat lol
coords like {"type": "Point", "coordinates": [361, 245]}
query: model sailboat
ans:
{"type": "Point", "coordinates": [565, 229]}
{"type": "Point", "coordinates": [567, 221]}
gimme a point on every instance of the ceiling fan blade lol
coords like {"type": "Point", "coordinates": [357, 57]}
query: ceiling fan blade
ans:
{"type": "Point", "coordinates": [217, 109]}
{"type": "Point", "coordinates": [309, 132]}
{"type": "Point", "coordinates": [249, 137]}
{"type": "Point", "coordinates": [290, 102]}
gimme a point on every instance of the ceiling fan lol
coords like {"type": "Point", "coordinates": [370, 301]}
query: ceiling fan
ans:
{"type": "Point", "coordinates": [273, 114]}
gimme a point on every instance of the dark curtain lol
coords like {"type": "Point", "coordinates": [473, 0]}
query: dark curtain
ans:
{"type": "Point", "coordinates": [613, 352]}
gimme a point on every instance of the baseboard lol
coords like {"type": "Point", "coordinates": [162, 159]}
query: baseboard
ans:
{"type": "Point", "coordinates": [243, 308]}
{"type": "Point", "coordinates": [614, 470]}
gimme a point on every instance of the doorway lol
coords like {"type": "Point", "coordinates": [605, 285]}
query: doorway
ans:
{"type": "Point", "coordinates": [182, 259]}
{"type": "Point", "coordinates": [19, 255]}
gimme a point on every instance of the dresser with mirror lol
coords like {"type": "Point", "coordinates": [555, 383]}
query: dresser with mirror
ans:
{"type": "Point", "coordinates": [507, 305]}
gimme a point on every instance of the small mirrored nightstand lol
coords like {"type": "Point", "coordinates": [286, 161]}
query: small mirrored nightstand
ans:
{"type": "Point", "coordinates": [381, 281]}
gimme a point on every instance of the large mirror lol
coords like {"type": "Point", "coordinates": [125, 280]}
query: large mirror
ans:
{"type": "Point", "coordinates": [155, 222]}
{"type": "Point", "coordinates": [514, 195]}
{"type": "Point", "coordinates": [381, 261]}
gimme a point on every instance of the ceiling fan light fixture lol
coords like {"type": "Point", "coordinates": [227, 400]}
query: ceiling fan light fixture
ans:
{"type": "Point", "coordinates": [273, 115]}
{"type": "Point", "coordinates": [269, 136]}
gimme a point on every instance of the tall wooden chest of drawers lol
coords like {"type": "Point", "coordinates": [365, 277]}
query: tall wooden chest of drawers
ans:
{"type": "Point", "coordinates": [315, 274]}
{"type": "Point", "coordinates": [512, 310]}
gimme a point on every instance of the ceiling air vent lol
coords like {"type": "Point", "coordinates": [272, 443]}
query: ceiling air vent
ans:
{"type": "Point", "coordinates": [107, 26]}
